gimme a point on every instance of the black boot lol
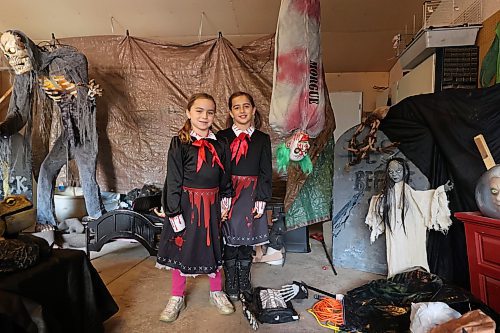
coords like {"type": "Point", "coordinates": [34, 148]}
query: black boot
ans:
{"type": "Point", "coordinates": [244, 276]}
{"type": "Point", "coordinates": [231, 285]}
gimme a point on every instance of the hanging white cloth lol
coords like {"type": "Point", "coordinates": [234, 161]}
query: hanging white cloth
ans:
{"type": "Point", "coordinates": [406, 248]}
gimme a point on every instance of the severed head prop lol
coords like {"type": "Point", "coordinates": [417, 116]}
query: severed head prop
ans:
{"type": "Point", "coordinates": [296, 149]}
{"type": "Point", "coordinates": [298, 145]}
{"type": "Point", "coordinates": [488, 193]}
{"type": "Point", "coordinates": [15, 52]}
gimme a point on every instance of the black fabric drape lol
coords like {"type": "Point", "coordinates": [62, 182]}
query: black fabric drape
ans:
{"type": "Point", "coordinates": [436, 132]}
{"type": "Point", "coordinates": [385, 305]}
{"type": "Point", "coordinates": [67, 287]}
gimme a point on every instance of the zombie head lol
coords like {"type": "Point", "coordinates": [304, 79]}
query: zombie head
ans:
{"type": "Point", "coordinates": [397, 170]}
{"type": "Point", "coordinates": [495, 191]}
{"type": "Point", "coordinates": [295, 150]}
{"type": "Point", "coordinates": [298, 145]}
{"type": "Point", "coordinates": [15, 50]}
{"type": "Point", "coordinates": [488, 193]}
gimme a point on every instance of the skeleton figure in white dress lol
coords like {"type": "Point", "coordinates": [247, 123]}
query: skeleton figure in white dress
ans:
{"type": "Point", "coordinates": [407, 214]}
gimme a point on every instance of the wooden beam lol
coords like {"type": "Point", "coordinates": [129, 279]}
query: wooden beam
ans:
{"type": "Point", "coordinates": [488, 160]}
{"type": "Point", "coordinates": [7, 93]}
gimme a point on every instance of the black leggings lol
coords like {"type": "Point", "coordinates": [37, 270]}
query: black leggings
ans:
{"type": "Point", "coordinates": [242, 252]}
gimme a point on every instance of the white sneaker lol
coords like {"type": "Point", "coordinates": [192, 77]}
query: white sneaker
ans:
{"type": "Point", "coordinates": [171, 311]}
{"type": "Point", "coordinates": [273, 257]}
{"type": "Point", "coordinates": [223, 305]}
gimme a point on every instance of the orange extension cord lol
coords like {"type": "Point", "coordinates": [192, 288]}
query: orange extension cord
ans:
{"type": "Point", "coordinates": [328, 313]}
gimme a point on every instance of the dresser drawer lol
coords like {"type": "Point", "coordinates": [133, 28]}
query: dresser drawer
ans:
{"type": "Point", "coordinates": [483, 250]}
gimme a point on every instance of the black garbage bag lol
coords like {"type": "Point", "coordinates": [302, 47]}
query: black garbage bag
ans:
{"type": "Point", "coordinates": [147, 191]}
{"type": "Point", "coordinates": [385, 305]}
{"type": "Point", "coordinates": [22, 252]}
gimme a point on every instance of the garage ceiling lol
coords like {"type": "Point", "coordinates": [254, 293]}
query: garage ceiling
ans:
{"type": "Point", "coordinates": [356, 34]}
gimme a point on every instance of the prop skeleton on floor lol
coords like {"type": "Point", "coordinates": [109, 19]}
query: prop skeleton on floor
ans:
{"type": "Point", "coordinates": [61, 76]}
{"type": "Point", "coordinates": [272, 306]}
{"type": "Point", "coordinates": [298, 102]}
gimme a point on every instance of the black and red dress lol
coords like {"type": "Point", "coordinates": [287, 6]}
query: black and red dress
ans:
{"type": "Point", "coordinates": [197, 178]}
{"type": "Point", "coordinates": [251, 169]}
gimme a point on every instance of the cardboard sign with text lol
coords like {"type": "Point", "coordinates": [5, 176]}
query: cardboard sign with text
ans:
{"type": "Point", "coordinates": [19, 164]}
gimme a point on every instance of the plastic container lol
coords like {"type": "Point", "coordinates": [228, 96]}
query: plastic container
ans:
{"type": "Point", "coordinates": [69, 203]}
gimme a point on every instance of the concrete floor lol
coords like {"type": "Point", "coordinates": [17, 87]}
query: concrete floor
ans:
{"type": "Point", "coordinates": [142, 291]}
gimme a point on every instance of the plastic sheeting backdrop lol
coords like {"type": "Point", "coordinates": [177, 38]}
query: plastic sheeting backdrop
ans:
{"type": "Point", "coordinates": [146, 85]}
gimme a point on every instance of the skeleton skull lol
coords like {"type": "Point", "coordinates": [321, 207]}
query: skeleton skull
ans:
{"type": "Point", "coordinates": [15, 52]}
{"type": "Point", "coordinates": [298, 145]}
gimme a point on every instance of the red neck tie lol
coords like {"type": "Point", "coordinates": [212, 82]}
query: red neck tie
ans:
{"type": "Point", "coordinates": [202, 144]}
{"type": "Point", "coordinates": [239, 147]}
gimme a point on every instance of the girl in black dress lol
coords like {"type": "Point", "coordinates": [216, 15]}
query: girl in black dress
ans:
{"type": "Point", "coordinates": [198, 176]}
{"type": "Point", "coordinates": [251, 169]}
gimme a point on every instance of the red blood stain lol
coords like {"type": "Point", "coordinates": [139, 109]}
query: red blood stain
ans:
{"type": "Point", "coordinates": [303, 115]}
{"type": "Point", "coordinates": [294, 116]}
{"type": "Point", "coordinates": [205, 197]}
{"type": "Point", "coordinates": [240, 183]}
{"type": "Point", "coordinates": [310, 8]}
{"type": "Point", "coordinates": [179, 241]}
{"type": "Point", "coordinates": [292, 66]}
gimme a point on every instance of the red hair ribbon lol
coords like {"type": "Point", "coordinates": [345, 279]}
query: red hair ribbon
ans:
{"type": "Point", "coordinates": [202, 144]}
{"type": "Point", "coordinates": [239, 146]}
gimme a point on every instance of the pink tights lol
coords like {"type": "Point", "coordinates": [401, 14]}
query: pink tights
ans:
{"type": "Point", "coordinates": [179, 283]}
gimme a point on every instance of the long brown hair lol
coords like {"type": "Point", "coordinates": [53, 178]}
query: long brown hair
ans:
{"type": "Point", "coordinates": [185, 132]}
{"type": "Point", "coordinates": [257, 120]}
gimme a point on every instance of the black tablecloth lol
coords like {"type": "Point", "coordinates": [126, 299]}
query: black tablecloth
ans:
{"type": "Point", "coordinates": [69, 290]}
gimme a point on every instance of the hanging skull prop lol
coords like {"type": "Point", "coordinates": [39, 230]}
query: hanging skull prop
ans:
{"type": "Point", "coordinates": [298, 145]}
{"type": "Point", "coordinates": [15, 52]}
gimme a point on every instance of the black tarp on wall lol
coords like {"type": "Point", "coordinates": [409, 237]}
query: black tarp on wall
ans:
{"type": "Point", "coordinates": [436, 132]}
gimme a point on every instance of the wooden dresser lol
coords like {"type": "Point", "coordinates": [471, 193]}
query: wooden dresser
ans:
{"type": "Point", "coordinates": [483, 249]}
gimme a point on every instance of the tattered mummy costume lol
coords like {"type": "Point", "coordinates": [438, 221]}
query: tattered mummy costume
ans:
{"type": "Point", "coordinates": [61, 75]}
{"type": "Point", "coordinates": [197, 178]}
{"type": "Point", "coordinates": [405, 215]}
{"type": "Point", "coordinates": [251, 169]}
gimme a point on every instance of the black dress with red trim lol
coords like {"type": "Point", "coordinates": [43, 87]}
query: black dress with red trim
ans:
{"type": "Point", "coordinates": [197, 178]}
{"type": "Point", "coordinates": [251, 169]}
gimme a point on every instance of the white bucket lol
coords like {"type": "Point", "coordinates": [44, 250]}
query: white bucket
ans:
{"type": "Point", "coordinates": [69, 203]}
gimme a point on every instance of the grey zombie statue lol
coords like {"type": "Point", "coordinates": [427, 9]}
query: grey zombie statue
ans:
{"type": "Point", "coordinates": [58, 76]}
